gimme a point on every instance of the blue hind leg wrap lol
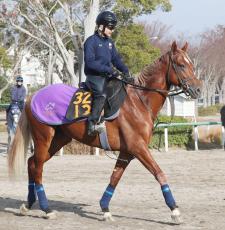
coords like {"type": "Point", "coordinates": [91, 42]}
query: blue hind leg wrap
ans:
{"type": "Point", "coordinates": [107, 195]}
{"type": "Point", "coordinates": [168, 196]}
{"type": "Point", "coordinates": [31, 198]}
{"type": "Point", "coordinates": [43, 202]}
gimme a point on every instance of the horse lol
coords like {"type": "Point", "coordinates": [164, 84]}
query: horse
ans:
{"type": "Point", "coordinates": [13, 115]}
{"type": "Point", "coordinates": [222, 118]}
{"type": "Point", "coordinates": [135, 122]}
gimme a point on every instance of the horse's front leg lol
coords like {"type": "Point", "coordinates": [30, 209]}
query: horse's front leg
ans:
{"type": "Point", "coordinates": [145, 157]}
{"type": "Point", "coordinates": [121, 164]}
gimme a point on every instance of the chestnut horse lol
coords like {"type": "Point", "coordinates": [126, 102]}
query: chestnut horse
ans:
{"type": "Point", "coordinates": [135, 122]}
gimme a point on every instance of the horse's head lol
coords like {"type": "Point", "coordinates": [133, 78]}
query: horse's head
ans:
{"type": "Point", "coordinates": [181, 71]}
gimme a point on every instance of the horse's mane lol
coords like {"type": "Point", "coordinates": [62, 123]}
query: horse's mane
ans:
{"type": "Point", "coordinates": [149, 71]}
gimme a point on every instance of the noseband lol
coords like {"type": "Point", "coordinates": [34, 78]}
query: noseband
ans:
{"type": "Point", "coordinates": [183, 83]}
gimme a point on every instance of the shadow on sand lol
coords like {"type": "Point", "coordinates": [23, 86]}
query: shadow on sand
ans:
{"type": "Point", "coordinates": [9, 205]}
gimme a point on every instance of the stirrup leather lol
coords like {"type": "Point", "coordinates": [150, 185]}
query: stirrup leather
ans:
{"type": "Point", "coordinates": [93, 129]}
{"type": "Point", "coordinates": [100, 127]}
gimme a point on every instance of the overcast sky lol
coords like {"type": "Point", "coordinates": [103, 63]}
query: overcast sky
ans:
{"type": "Point", "coordinates": [192, 16]}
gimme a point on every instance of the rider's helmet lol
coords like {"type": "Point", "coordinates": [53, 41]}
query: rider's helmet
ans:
{"type": "Point", "coordinates": [107, 19]}
{"type": "Point", "coordinates": [19, 80]}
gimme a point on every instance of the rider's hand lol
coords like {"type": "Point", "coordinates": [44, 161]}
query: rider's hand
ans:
{"type": "Point", "coordinates": [114, 74]}
{"type": "Point", "coordinates": [128, 78]}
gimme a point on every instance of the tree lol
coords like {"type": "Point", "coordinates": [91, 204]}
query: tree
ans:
{"type": "Point", "coordinates": [51, 24]}
{"type": "Point", "coordinates": [5, 62]}
{"type": "Point", "coordinates": [127, 10]}
{"type": "Point", "coordinates": [134, 46]}
{"type": "Point", "coordinates": [212, 60]}
{"type": "Point", "coordinates": [62, 20]}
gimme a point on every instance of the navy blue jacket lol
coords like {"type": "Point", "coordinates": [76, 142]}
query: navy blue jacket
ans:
{"type": "Point", "coordinates": [100, 55]}
{"type": "Point", "coordinates": [18, 93]}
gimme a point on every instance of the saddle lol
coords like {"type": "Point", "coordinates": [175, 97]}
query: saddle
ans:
{"type": "Point", "coordinates": [80, 104]}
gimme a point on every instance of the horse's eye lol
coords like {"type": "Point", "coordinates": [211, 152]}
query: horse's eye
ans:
{"type": "Point", "coordinates": [182, 66]}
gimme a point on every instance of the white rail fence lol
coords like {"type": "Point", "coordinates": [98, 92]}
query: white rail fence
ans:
{"type": "Point", "coordinates": [195, 131]}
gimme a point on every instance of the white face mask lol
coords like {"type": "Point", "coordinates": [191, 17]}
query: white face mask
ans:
{"type": "Point", "coordinates": [19, 83]}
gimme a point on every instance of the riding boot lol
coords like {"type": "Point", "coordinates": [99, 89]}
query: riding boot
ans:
{"type": "Point", "coordinates": [97, 107]}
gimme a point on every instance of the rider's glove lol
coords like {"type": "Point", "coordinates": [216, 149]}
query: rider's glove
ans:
{"type": "Point", "coordinates": [128, 78]}
{"type": "Point", "coordinates": [114, 74]}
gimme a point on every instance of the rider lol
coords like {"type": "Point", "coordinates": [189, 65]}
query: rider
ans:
{"type": "Point", "coordinates": [18, 94]}
{"type": "Point", "coordinates": [100, 58]}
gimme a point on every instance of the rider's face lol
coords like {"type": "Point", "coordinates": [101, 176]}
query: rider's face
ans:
{"type": "Point", "coordinates": [19, 83]}
{"type": "Point", "coordinates": [108, 31]}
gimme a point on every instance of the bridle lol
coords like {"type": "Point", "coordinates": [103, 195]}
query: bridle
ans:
{"type": "Point", "coordinates": [184, 87]}
{"type": "Point", "coordinates": [183, 82]}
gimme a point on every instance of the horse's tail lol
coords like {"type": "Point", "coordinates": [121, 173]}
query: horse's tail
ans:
{"type": "Point", "coordinates": [18, 151]}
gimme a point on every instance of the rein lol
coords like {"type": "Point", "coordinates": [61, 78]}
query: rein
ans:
{"type": "Point", "coordinates": [160, 91]}
{"type": "Point", "coordinates": [170, 93]}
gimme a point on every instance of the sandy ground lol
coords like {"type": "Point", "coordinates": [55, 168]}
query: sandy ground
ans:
{"type": "Point", "coordinates": [74, 185]}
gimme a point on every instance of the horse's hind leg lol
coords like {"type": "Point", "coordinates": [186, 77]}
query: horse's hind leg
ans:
{"type": "Point", "coordinates": [31, 198]}
{"type": "Point", "coordinates": [42, 153]}
{"type": "Point", "coordinates": [60, 139]}
{"type": "Point", "coordinates": [121, 164]}
{"type": "Point", "coordinates": [35, 187]}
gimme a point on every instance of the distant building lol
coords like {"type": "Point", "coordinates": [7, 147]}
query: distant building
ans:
{"type": "Point", "coordinates": [184, 107]}
{"type": "Point", "coordinates": [32, 71]}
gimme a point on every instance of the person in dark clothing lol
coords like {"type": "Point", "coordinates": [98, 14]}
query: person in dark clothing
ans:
{"type": "Point", "coordinates": [18, 94]}
{"type": "Point", "coordinates": [101, 59]}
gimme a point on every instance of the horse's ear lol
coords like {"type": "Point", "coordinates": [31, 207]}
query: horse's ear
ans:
{"type": "Point", "coordinates": [174, 47]}
{"type": "Point", "coordinates": [185, 47]}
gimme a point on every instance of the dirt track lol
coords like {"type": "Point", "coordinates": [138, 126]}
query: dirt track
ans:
{"type": "Point", "coordinates": [74, 185]}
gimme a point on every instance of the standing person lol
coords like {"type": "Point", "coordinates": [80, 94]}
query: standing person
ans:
{"type": "Point", "coordinates": [100, 59]}
{"type": "Point", "coordinates": [18, 94]}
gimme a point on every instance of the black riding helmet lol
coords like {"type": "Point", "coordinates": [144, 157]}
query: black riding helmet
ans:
{"type": "Point", "coordinates": [106, 18]}
{"type": "Point", "coordinates": [19, 78]}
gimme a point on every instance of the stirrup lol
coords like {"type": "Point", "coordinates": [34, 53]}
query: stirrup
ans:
{"type": "Point", "coordinates": [100, 127]}
{"type": "Point", "coordinates": [97, 128]}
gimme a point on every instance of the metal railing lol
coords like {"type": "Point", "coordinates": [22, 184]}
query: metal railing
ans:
{"type": "Point", "coordinates": [195, 127]}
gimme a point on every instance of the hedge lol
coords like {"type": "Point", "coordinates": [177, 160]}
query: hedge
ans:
{"type": "Point", "coordinates": [210, 110]}
{"type": "Point", "coordinates": [179, 136]}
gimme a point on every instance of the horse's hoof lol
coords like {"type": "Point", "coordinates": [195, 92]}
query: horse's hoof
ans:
{"type": "Point", "coordinates": [23, 209]}
{"type": "Point", "coordinates": [108, 216]}
{"type": "Point", "coordinates": [51, 215]}
{"type": "Point", "coordinates": [176, 217]}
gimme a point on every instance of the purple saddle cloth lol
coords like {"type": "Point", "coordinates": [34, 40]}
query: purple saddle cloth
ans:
{"type": "Point", "coordinates": [49, 105]}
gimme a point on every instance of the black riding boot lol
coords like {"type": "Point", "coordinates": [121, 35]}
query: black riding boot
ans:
{"type": "Point", "coordinates": [97, 107]}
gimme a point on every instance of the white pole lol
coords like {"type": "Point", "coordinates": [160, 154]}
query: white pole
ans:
{"type": "Point", "coordinates": [196, 137]}
{"type": "Point", "coordinates": [96, 151]}
{"type": "Point", "coordinates": [166, 139]}
{"type": "Point", "coordinates": [60, 152]}
{"type": "Point", "coordinates": [223, 137]}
